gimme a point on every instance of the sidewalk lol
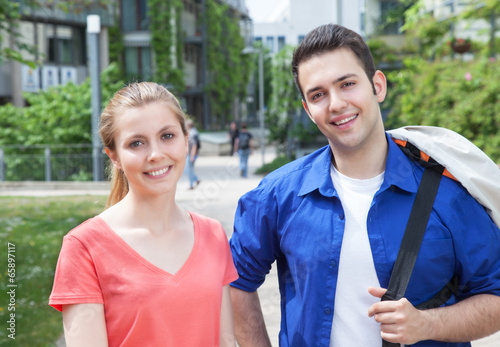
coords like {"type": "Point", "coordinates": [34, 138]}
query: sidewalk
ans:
{"type": "Point", "coordinates": [216, 197]}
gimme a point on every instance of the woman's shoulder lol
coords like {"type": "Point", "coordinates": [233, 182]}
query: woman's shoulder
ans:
{"type": "Point", "coordinates": [207, 225]}
{"type": "Point", "coordinates": [91, 228]}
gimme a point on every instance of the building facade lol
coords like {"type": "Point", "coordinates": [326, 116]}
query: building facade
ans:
{"type": "Point", "coordinates": [139, 58]}
{"type": "Point", "coordinates": [60, 43]}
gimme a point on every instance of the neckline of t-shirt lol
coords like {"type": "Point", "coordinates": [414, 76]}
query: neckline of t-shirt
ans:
{"type": "Point", "coordinates": [357, 184]}
{"type": "Point", "coordinates": [117, 239]}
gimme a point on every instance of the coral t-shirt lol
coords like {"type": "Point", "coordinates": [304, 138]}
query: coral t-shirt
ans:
{"type": "Point", "coordinates": [143, 304]}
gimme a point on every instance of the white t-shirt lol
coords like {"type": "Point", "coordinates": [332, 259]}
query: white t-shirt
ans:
{"type": "Point", "coordinates": [351, 324]}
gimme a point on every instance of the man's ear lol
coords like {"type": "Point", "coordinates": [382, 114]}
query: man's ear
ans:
{"type": "Point", "coordinates": [113, 156]}
{"type": "Point", "coordinates": [380, 85]}
{"type": "Point", "coordinates": [304, 103]}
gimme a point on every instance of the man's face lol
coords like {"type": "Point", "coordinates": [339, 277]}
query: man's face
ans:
{"type": "Point", "coordinates": [339, 99]}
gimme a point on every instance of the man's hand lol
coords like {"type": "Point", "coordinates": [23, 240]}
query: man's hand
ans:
{"type": "Point", "coordinates": [400, 321]}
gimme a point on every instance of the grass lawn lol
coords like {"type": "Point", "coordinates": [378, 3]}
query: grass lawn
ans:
{"type": "Point", "coordinates": [34, 228]}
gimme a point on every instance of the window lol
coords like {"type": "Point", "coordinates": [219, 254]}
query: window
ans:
{"type": "Point", "coordinates": [281, 42]}
{"type": "Point", "coordinates": [138, 63]}
{"type": "Point", "coordinates": [258, 39]}
{"type": "Point", "coordinates": [270, 43]}
{"type": "Point", "coordinates": [385, 8]}
{"type": "Point", "coordinates": [301, 38]}
{"type": "Point", "coordinates": [65, 45]}
{"type": "Point", "coordinates": [135, 15]}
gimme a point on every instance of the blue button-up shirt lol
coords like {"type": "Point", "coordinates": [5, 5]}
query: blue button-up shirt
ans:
{"type": "Point", "coordinates": [295, 217]}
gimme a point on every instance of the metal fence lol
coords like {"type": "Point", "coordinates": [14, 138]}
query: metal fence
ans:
{"type": "Point", "coordinates": [46, 163]}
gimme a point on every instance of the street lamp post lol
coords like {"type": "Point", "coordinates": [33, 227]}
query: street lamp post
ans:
{"type": "Point", "coordinates": [93, 30]}
{"type": "Point", "coordinates": [262, 137]}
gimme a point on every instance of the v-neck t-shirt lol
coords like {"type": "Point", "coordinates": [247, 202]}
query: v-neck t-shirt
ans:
{"type": "Point", "coordinates": [143, 303]}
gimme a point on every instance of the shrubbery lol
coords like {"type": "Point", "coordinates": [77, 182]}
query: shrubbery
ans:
{"type": "Point", "coordinates": [59, 117]}
{"type": "Point", "coordinates": [461, 96]}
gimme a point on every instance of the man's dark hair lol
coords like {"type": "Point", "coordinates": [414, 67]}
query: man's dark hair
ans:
{"type": "Point", "coordinates": [329, 37]}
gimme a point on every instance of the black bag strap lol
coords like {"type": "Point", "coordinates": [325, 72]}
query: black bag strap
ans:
{"type": "Point", "coordinates": [412, 238]}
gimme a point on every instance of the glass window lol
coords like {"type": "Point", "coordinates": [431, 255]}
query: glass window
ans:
{"type": "Point", "coordinates": [146, 70]}
{"type": "Point", "coordinates": [270, 43]}
{"type": "Point", "coordinates": [129, 11]}
{"type": "Point", "coordinates": [385, 8]}
{"type": "Point", "coordinates": [131, 63]}
{"type": "Point", "coordinates": [138, 65]}
{"type": "Point", "coordinates": [65, 45]}
{"type": "Point", "coordinates": [281, 42]}
{"type": "Point", "coordinates": [143, 15]}
{"type": "Point", "coordinates": [301, 38]}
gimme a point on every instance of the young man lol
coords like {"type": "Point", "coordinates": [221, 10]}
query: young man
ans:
{"type": "Point", "coordinates": [334, 221]}
{"type": "Point", "coordinates": [194, 140]}
{"type": "Point", "coordinates": [244, 147]}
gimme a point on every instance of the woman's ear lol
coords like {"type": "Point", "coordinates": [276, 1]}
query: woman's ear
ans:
{"type": "Point", "coordinates": [113, 156]}
{"type": "Point", "coordinates": [380, 85]}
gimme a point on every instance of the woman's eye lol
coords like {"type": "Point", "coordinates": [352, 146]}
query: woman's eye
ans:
{"type": "Point", "coordinates": [167, 136]}
{"type": "Point", "coordinates": [135, 144]}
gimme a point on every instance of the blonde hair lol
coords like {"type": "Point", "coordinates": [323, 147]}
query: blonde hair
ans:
{"type": "Point", "coordinates": [131, 96]}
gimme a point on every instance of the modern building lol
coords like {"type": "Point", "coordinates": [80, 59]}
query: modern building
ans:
{"type": "Point", "coordinates": [59, 39]}
{"type": "Point", "coordinates": [291, 20]}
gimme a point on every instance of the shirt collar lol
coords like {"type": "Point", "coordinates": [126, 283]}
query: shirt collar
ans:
{"type": "Point", "coordinates": [319, 176]}
{"type": "Point", "coordinates": [398, 169]}
{"type": "Point", "coordinates": [398, 172]}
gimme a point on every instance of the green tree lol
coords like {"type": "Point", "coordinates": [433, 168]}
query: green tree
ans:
{"type": "Point", "coordinates": [166, 41]}
{"type": "Point", "coordinates": [464, 97]}
{"type": "Point", "coordinates": [487, 10]}
{"type": "Point", "coordinates": [11, 13]}
{"type": "Point", "coordinates": [9, 23]}
{"type": "Point", "coordinates": [288, 126]}
{"type": "Point", "coordinates": [228, 68]}
{"type": "Point", "coordinates": [59, 115]}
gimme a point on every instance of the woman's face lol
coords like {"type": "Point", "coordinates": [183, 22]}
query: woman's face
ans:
{"type": "Point", "coordinates": [150, 148]}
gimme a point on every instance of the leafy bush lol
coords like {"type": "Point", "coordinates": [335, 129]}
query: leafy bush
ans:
{"type": "Point", "coordinates": [57, 116]}
{"type": "Point", "coordinates": [461, 96]}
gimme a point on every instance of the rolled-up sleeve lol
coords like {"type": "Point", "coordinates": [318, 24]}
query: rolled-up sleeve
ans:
{"type": "Point", "coordinates": [254, 243]}
{"type": "Point", "coordinates": [476, 241]}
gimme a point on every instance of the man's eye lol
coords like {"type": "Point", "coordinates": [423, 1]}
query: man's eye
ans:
{"type": "Point", "coordinates": [318, 95]}
{"type": "Point", "coordinates": [348, 84]}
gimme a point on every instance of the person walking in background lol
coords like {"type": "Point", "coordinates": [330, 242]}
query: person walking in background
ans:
{"type": "Point", "coordinates": [194, 146]}
{"type": "Point", "coordinates": [233, 135]}
{"type": "Point", "coordinates": [145, 272]}
{"type": "Point", "coordinates": [333, 221]}
{"type": "Point", "coordinates": [244, 147]}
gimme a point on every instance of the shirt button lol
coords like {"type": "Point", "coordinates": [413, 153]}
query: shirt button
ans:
{"type": "Point", "coordinates": [333, 263]}
{"type": "Point", "coordinates": [341, 216]}
{"type": "Point", "coordinates": [327, 310]}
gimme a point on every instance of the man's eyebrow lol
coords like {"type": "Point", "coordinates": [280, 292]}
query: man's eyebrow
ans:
{"type": "Point", "coordinates": [340, 79]}
{"type": "Point", "coordinates": [344, 77]}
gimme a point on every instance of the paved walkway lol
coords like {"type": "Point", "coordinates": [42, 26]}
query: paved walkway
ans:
{"type": "Point", "coordinates": [217, 197]}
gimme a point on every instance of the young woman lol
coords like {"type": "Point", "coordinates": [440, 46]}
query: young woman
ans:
{"type": "Point", "coordinates": [145, 271]}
